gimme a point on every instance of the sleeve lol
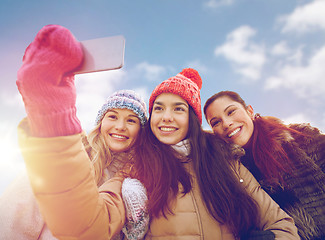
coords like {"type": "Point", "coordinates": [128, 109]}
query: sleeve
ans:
{"type": "Point", "coordinates": [62, 180]}
{"type": "Point", "coordinates": [272, 217]}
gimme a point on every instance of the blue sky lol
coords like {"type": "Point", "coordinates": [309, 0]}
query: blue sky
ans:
{"type": "Point", "coordinates": [271, 52]}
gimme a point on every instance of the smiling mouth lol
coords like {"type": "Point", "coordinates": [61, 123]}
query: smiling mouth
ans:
{"type": "Point", "coordinates": [234, 132]}
{"type": "Point", "coordinates": [167, 129]}
{"type": "Point", "coordinates": [118, 136]}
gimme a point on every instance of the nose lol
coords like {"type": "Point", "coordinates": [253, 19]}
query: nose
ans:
{"type": "Point", "coordinates": [226, 123]}
{"type": "Point", "coordinates": [167, 116]}
{"type": "Point", "coordinates": [120, 125]}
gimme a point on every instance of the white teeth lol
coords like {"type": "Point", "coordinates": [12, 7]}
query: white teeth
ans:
{"type": "Point", "coordinates": [167, 129]}
{"type": "Point", "coordinates": [118, 136]}
{"type": "Point", "coordinates": [233, 133]}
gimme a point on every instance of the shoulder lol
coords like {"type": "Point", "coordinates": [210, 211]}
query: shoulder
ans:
{"type": "Point", "coordinates": [307, 135]}
{"type": "Point", "coordinates": [305, 128]}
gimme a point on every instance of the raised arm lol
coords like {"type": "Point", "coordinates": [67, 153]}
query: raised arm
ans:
{"type": "Point", "coordinates": [51, 143]}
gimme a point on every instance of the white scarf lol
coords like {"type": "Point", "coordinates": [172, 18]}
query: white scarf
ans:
{"type": "Point", "coordinates": [183, 147]}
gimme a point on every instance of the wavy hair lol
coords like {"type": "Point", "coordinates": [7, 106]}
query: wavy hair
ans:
{"type": "Point", "coordinates": [98, 152]}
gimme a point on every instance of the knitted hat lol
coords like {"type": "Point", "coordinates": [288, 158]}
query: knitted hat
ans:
{"type": "Point", "coordinates": [186, 84]}
{"type": "Point", "coordinates": [125, 99]}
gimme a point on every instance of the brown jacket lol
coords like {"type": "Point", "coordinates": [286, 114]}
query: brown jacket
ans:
{"type": "Point", "coordinates": [74, 208]}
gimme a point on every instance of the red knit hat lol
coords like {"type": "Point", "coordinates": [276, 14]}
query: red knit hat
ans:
{"type": "Point", "coordinates": [186, 84]}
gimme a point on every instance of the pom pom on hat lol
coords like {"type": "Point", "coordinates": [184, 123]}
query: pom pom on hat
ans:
{"type": "Point", "coordinates": [192, 74]}
{"type": "Point", "coordinates": [186, 84]}
{"type": "Point", "coordinates": [124, 99]}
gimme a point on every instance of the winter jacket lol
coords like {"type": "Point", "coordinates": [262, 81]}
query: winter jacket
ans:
{"type": "Point", "coordinates": [20, 216]}
{"type": "Point", "coordinates": [302, 195]}
{"type": "Point", "coordinates": [191, 220]}
{"type": "Point", "coordinates": [76, 209]}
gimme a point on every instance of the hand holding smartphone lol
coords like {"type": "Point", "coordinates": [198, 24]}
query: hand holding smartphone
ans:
{"type": "Point", "coordinates": [102, 54]}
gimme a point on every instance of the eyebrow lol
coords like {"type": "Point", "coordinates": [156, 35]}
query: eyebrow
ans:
{"type": "Point", "coordinates": [111, 110]}
{"type": "Point", "coordinates": [130, 115]}
{"type": "Point", "coordinates": [174, 104]}
{"type": "Point", "coordinates": [228, 107]}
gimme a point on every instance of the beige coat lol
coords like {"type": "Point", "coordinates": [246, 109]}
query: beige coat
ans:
{"type": "Point", "coordinates": [191, 219]}
{"type": "Point", "coordinates": [74, 208]}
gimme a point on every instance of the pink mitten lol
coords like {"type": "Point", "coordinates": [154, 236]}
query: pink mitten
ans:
{"type": "Point", "coordinates": [46, 82]}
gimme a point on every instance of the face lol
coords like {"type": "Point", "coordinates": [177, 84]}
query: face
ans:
{"type": "Point", "coordinates": [120, 127]}
{"type": "Point", "coordinates": [230, 120]}
{"type": "Point", "coordinates": [169, 118]}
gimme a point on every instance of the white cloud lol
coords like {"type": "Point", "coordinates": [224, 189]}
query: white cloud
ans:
{"type": "Point", "coordinates": [297, 56]}
{"type": "Point", "coordinates": [11, 100]}
{"type": "Point", "coordinates": [151, 72]}
{"type": "Point", "coordinates": [305, 18]}
{"type": "Point", "coordinates": [92, 91]}
{"type": "Point", "coordinates": [280, 49]}
{"type": "Point", "coordinates": [302, 118]}
{"type": "Point", "coordinates": [307, 81]}
{"type": "Point", "coordinates": [12, 106]}
{"type": "Point", "coordinates": [248, 57]}
{"type": "Point", "coordinates": [218, 3]}
{"type": "Point", "coordinates": [296, 118]}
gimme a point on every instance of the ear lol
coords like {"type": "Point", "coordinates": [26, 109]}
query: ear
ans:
{"type": "Point", "coordinates": [250, 111]}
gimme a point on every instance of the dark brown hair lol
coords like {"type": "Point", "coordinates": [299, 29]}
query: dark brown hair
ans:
{"type": "Point", "coordinates": [161, 170]}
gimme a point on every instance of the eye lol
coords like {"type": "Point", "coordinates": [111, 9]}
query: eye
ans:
{"type": "Point", "coordinates": [132, 120]}
{"type": "Point", "coordinates": [157, 108]}
{"type": "Point", "coordinates": [231, 111]}
{"type": "Point", "coordinates": [179, 109]}
{"type": "Point", "coordinates": [215, 123]}
{"type": "Point", "coordinates": [111, 116]}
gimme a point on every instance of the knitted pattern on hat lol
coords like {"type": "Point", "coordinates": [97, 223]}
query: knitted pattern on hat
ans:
{"type": "Point", "coordinates": [124, 99]}
{"type": "Point", "coordinates": [135, 200]}
{"type": "Point", "coordinates": [187, 84]}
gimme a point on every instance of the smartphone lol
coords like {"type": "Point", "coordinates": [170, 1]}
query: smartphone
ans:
{"type": "Point", "coordinates": [102, 54]}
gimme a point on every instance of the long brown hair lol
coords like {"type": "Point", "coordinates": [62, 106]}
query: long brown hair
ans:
{"type": "Point", "coordinates": [268, 153]}
{"type": "Point", "coordinates": [161, 170]}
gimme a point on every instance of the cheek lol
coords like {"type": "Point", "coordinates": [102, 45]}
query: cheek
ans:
{"type": "Point", "coordinates": [135, 131]}
{"type": "Point", "coordinates": [186, 125]}
{"type": "Point", "coordinates": [106, 125]}
{"type": "Point", "coordinates": [153, 121]}
{"type": "Point", "coordinates": [250, 127]}
{"type": "Point", "coordinates": [102, 128]}
{"type": "Point", "coordinates": [217, 130]}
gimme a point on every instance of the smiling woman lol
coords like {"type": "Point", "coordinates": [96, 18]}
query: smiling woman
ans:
{"type": "Point", "coordinates": [169, 119]}
{"type": "Point", "coordinates": [110, 147]}
{"type": "Point", "coordinates": [120, 127]}
{"type": "Point", "coordinates": [47, 86]}
{"type": "Point", "coordinates": [287, 160]}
